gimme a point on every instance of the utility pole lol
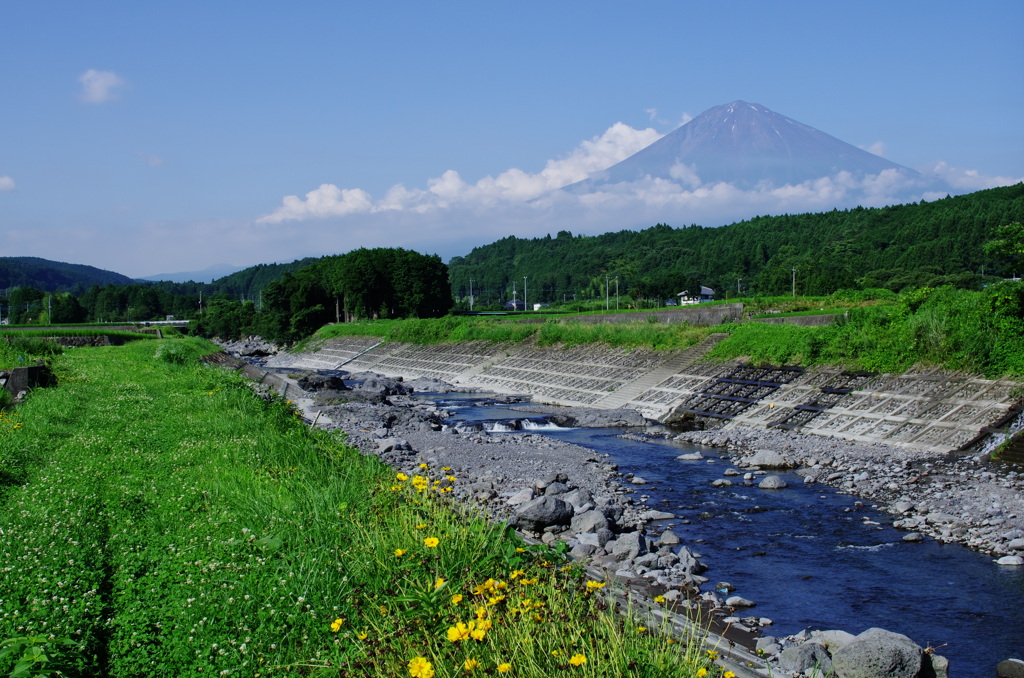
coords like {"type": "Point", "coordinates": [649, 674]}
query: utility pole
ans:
{"type": "Point", "coordinates": [606, 293]}
{"type": "Point", "coordinates": [524, 292]}
{"type": "Point", "coordinates": [470, 294]}
{"type": "Point", "coordinates": [794, 282]}
{"type": "Point", "coordinates": [616, 293]}
{"type": "Point", "coordinates": [513, 295]}
{"type": "Point", "coordinates": [738, 281]}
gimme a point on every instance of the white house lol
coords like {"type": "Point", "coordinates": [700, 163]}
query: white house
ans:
{"type": "Point", "coordinates": [686, 297]}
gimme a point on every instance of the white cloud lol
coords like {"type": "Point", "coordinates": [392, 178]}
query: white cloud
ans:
{"type": "Point", "coordinates": [450, 215]}
{"type": "Point", "coordinates": [99, 86]}
{"type": "Point", "coordinates": [970, 180]}
{"type": "Point", "coordinates": [451, 190]}
{"type": "Point", "coordinates": [6, 183]}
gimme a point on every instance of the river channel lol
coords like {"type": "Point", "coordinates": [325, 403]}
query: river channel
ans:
{"type": "Point", "coordinates": [810, 556]}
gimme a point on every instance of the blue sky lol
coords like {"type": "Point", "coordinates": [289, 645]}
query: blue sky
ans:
{"type": "Point", "coordinates": [146, 138]}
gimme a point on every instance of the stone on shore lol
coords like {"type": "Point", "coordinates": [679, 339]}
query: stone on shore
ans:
{"type": "Point", "coordinates": [589, 521]}
{"type": "Point", "coordinates": [542, 512]}
{"type": "Point", "coordinates": [805, 657]}
{"type": "Point", "coordinates": [769, 459]}
{"type": "Point", "coordinates": [877, 653]}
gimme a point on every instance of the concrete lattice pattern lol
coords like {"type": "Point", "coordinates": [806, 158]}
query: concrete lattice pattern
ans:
{"type": "Point", "coordinates": [927, 410]}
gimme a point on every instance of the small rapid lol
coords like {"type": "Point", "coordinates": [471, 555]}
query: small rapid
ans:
{"type": "Point", "coordinates": [810, 556]}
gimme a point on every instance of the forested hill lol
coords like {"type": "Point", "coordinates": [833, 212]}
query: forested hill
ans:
{"type": "Point", "coordinates": [929, 243]}
{"type": "Point", "coordinates": [250, 282]}
{"type": "Point", "coordinates": [54, 276]}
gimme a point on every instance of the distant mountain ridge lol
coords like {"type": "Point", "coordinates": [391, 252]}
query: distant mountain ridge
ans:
{"type": "Point", "coordinates": [54, 276]}
{"type": "Point", "coordinates": [746, 145]}
{"type": "Point", "coordinates": [207, 275]}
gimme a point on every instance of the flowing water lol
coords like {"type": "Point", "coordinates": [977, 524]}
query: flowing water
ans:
{"type": "Point", "coordinates": [809, 556]}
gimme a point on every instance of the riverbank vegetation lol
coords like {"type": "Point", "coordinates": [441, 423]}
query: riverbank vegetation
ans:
{"type": "Point", "coordinates": [956, 329]}
{"type": "Point", "coordinates": [159, 518]}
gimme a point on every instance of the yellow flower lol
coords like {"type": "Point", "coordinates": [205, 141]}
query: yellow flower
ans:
{"type": "Point", "coordinates": [659, 599]}
{"type": "Point", "coordinates": [642, 629]}
{"type": "Point", "coordinates": [421, 526]}
{"type": "Point", "coordinates": [728, 674]}
{"type": "Point", "coordinates": [424, 466]}
{"type": "Point", "coordinates": [458, 632]}
{"type": "Point", "coordinates": [400, 552]}
{"type": "Point", "coordinates": [438, 583]}
{"type": "Point", "coordinates": [578, 660]}
{"type": "Point", "coordinates": [481, 612]}
{"type": "Point", "coordinates": [479, 629]}
{"type": "Point", "coordinates": [713, 654]}
{"type": "Point", "coordinates": [456, 599]}
{"type": "Point", "coordinates": [516, 573]}
{"type": "Point", "coordinates": [470, 664]}
{"type": "Point", "coordinates": [504, 668]}
{"type": "Point", "coordinates": [431, 542]}
{"type": "Point", "coordinates": [402, 477]}
{"type": "Point", "coordinates": [701, 672]}
{"type": "Point", "coordinates": [362, 635]}
{"type": "Point", "coordinates": [595, 584]}
{"type": "Point", "coordinates": [419, 667]}
{"type": "Point", "coordinates": [336, 624]}
{"type": "Point", "coordinates": [555, 653]}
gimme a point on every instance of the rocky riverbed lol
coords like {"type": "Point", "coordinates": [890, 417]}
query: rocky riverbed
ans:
{"type": "Point", "coordinates": [555, 491]}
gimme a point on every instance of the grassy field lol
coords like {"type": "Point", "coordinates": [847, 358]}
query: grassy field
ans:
{"type": "Point", "coordinates": [158, 518]}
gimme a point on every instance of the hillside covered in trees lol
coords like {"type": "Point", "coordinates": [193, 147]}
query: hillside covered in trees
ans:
{"type": "Point", "coordinates": [380, 283]}
{"type": "Point", "coordinates": [54, 276]}
{"type": "Point", "coordinates": [915, 245]}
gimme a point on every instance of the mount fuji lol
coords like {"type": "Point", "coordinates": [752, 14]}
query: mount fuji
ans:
{"type": "Point", "coordinates": [751, 148]}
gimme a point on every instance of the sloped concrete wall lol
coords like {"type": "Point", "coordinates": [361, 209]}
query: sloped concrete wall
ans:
{"type": "Point", "coordinates": [925, 410]}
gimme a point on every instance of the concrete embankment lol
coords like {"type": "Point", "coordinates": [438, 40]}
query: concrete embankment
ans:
{"type": "Point", "coordinates": [928, 411]}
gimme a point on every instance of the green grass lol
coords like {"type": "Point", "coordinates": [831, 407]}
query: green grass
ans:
{"type": "Point", "coordinates": [451, 329]}
{"type": "Point", "coordinates": [978, 332]}
{"type": "Point", "coordinates": [159, 518]}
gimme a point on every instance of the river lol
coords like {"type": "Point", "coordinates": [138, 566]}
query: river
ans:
{"type": "Point", "coordinates": [811, 557]}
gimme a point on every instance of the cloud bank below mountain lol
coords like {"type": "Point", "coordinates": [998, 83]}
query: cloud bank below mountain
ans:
{"type": "Point", "coordinates": [451, 212]}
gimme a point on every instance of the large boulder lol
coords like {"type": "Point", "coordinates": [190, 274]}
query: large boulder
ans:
{"type": "Point", "coordinates": [772, 483]}
{"type": "Point", "coordinates": [383, 386]}
{"type": "Point", "coordinates": [878, 653]}
{"type": "Point", "coordinates": [769, 459]}
{"type": "Point", "coordinates": [805, 658]}
{"type": "Point", "coordinates": [589, 521]}
{"type": "Point", "coordinates": [629, 545]}
{"type": "Point", "coordinates": [321, 382]}
{"type": "Point", "coordinates": [1010, 668]}
{"type": "Point", "coordinates": [542, 512]}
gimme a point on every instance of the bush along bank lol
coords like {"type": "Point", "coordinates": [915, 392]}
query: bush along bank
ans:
{"type": "Point", "coordinates": [167, 521]}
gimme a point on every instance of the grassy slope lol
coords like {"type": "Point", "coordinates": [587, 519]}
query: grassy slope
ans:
{"type": "Point", "coordinates": [160, 519]}
{"type": "Point", "coordinates": [977, 332]}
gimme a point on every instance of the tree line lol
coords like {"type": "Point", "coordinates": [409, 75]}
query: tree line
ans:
{"type": "Point", "coordinates": [915, 245]}
{"type": "Point", "coordinates": [362, 284]}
